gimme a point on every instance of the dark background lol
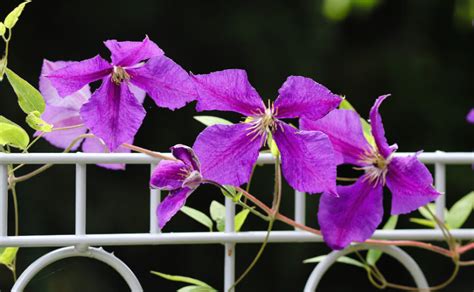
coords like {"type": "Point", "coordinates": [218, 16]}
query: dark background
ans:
{"type": "Point", "coordinates": [422, 52]}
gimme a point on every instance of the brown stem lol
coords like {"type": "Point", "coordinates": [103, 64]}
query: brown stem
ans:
{"type": "Point", "coordinates": [148, 152]}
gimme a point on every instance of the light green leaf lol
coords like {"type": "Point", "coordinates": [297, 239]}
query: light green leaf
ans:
{"type": "Point", "coordinates": [210, 120]}
{"type": "Point", "coordinates": [13, 16]}
{"type": "Point", "coordinates": [423, 222]}
{"type": "Point", "coordinates": [33, 119]}
{"type": "Point", "coordinates": [8, 255]}
{"type": "Point", "coordinates": [3, 66]}
{"type": "Point", "coordinates": [198, 216]}
{"type": "Point", "coordinates": [366, 128]}
{"type": "Point", "coordinates": [196, 289]}
{"type": "Point", "coordinates": [3, 29]}
{"type": "Point", "coordinates": [336, 9]}
{"type": "Point", "coordinates": [240, 218]}
{"type": "Point", "coordinates": [342, 260]}
{"type": "Point", "coordinates": [373, 255]}
{"type": "Point", "coordinates": [432, 207]}
{"type": "Point", "coordinates": [12, 134]}
{"type": "Point", "coordinates": [460, 211]}
{"type": "Point", "coordinates": [182, 279]}
{"type": "Point", "coordinates": [273, 146]}
{"type": "Point", "coordinates": [29, 98]}
{"type": "Point", "coordinates": [217, 211]}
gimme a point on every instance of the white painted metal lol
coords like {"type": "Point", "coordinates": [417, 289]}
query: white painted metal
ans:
{"type": "Point", "coordinates": [440, 183]}
{"type": "Point", "coordinates": [4, 200]}
{"type": "Point", "coordinates": [81, 184]}
{"type": "Point", "coordinates": [229, 250]}
{"type": "Point", "coordinates": [155, 199]}
{"type": "Point", "coordinates": [300, 208]}
{"type": "Point", "coordinates": [393, 251]}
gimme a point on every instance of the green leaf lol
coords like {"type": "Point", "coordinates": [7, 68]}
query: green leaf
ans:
{"type": "Point", "coordinates": [34, 120]}
{"type": "Point", "coordinates": [273, 146]}
{"type": "Point", "coordinates": [198, 216]}
{"type": "Point", "coordinates": [29, 98]}
{"type": "Point", "coordinates": [182, 279]}
{"type": "Point", "coordinates": [336, 10]}
{"type": "Point", "coordinates": [240, 218]}
{"type": "Point", "coordinates": [217, 211]}
{"type": "Point", "coordinates": [342, 260]}
{"type": "Point", "coordinates": [3, 29]}
{"type": "Point", "coordinates": [432, 207]}
{"type": "Point", "coordinates": [196, 289]}
{"type": "Point", "coordinates": [210, 120]}
{"type": "Point", "coordinates": [460, 211]}
{"type": "Point", "coordinates": [12, 134]}
{"type": "Point", "coordinates": [3, 66]}
{"type": "Point", "coordinates": [366, 128]}
{"type": "Point", "coordinates": [373, 255]}
{"type": "Point", "coordinates": [423, 222]}
{"type": "Point", "coordinates": [13, 16]}
{"type": "Point", "coordinates": [8, 255]}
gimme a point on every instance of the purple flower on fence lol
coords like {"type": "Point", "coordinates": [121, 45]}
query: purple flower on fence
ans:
{"type": "Point", "coordinates": [358, 211]}
{"type": "Point", "coordinates": [470, 116]}
{"type": "Point", "coordinates": [228, 152]}
{"type": "Point", "coordinates": [181, 177]}
{"type": "Point", "coordinates": [114, 112]}
{"type": "Point", "coordinates": [64, 112]}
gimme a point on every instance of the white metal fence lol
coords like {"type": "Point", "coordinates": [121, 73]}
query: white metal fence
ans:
{"type": "Point", "coordinates": [80, 244]}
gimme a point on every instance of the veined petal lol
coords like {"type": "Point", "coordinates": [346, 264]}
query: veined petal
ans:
{"type": "Point", "coordinates": [411, 184]}
{"type": "Point", "coordinates": [113, 114]}
{"type": "Point", "coordinates": [76, 75]}
{"type": "Point", "coordinates": [130, 53]}
{"type": "Point", "coordinates": [307, 159]}
{"type": "Point", "coordinates": [353, 216]}
{"type": "Point", "coordinates": [171, 205]}
{"type": "Point", "coordinates": [168, 175]}
{"type": "Point", "coordinates": [227, 90]}
{"type": "Point", "coordinates": [227, 153]}
{"type": "Point", "coordinates": [165, 81]}
{"type": "Point", "coordinates": [186, 154]}
{"type": "Point", "coordinates": [50, 94]}
{"type": "Point", "coordinates": [378, 130]}
{"type": "Point", "coordinates": [344, 129]}
{"type": "Point", "coordinates": [137, 92]}
{"type": "Point", "coordinates": [303, 97]}
{"type": "Point", "coordinates": [95, 145]}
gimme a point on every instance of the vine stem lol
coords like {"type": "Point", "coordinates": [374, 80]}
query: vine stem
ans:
{"type": "Point", "coordinates": [148, 152]}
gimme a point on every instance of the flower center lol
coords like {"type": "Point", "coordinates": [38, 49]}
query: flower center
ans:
{"type": "Point", "coordinates": [119, 75]}
{"type": "Point", "coordinates": [376, 166]}
{"type": "Point", "coordinates": [263, 122]}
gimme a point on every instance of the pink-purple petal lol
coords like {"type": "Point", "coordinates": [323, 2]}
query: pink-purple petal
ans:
{"type": "Point", "coordinates": [377, 128]}
{"type": "Point", "coordinates": [113, 114]}
{"type": "Point", "coordinates": [137, 92]}
{"type": "Point", "coordinates": [171, 205]}
{"type": "Point", "coordinates": [303, 97]}
{"type": "Point", "coordinates": [130, 53]}
{"type": "Point", "coordinates": [344, 129]}
{"type": "Point", "coordinates": [307, 159]}
{"type": "Point", "coordinates": [76, 75]}
{"type": "Point", "coordinates": [227, 153]}
{"type": "Point", "coordinates": [95, 145]}
{"type": "Point", "coordinates": [353, 216]}
{"type": "Point", "coordinates": [470, 116]}
{"type": "Point", "coordinates": [168, 175]}
{"type": "Point", "coordinates": [168, 84]}
{"type": "Point", "coordinates": [227, 90]}
{"type": "Point", "coordinates": [186, 154]}
{"type": "Point", "coordinates": [411, 184]}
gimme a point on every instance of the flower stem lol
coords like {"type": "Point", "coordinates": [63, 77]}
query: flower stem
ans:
{"type": "Point", "coordinates": [148, 152]}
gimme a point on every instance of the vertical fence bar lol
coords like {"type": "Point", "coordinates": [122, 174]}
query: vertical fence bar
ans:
{"type": "Point", "coordinates": [4, 200]}
{"type": "Point", "coordinates": [81, 179]}
{"type": "Point", "coordinates": [300, 208]}
{"type": "Point", "coordinates": [440, 183]}
{"type": "Point", "coordinates": [155, 199]}
{"type": "Point", "coordinates": [229, 256]}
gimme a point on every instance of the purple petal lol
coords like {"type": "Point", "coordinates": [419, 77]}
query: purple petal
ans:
{"type": "Point", "coordinates": [171, 205]}
{"type": "Point", "coordinates": [411, 184]}
{"type": "Point", "coordinates": [168, 175]}
{"type": "Point", "coordinates": [50, 94]}
{"type": "Point", "coordinates": [76, 75]}
{"type": "Point", "coordinates": [95, 145]}
{"type": "Point", "coordinates": [186, 154]}
{"type": "Point", "coordinates": [353, 216]}
{"type": "Point", "coordinates": [344, 129]}
{"type": "Point", "coordinates": [470, 116]}
{"type": "Point", "coordinates": [227, 153]}
{"type": "Point", "coordinates": [303, 97]}
{"type": "Point", "coordinates": [307, 159]}
{"type": "Point", "coordinates": [113, 114]}
{"type": "Point", "coordinates": [227, 90]}
{"type": "Point", "coordinates": [137, 92]}
{"type": "Point", "coordinates": [165, 81]}
{"type": "Point", "coordinates": [378, 130]}
{"type": "Point", "coordinates": [130, 53]}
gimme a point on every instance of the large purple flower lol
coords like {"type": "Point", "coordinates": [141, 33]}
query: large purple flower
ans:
{"type": "Point", "coordinates": [64, 112]}
{"type": "Point", "coordinates": [114, 112]}
{"type": "Point", "coordinates": [181, 177]}
{"type": "Point", "coordinates": [358, 211]}
{"type": "Point", "coordinates": [228, 152]}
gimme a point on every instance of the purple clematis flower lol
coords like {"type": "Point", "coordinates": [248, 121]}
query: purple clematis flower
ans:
{"type": "Point", "coordinates": [358, 211]}
{"type": "Point", "coordinates": [114, 112]}
{"type": "Point", "coordinates": [228, 152]}
{"type": "Point", "coordinates": [181, 177]}
{"type": "Point", "coordinates": [470, 116]}
{"type": "Point", "coordinates": [64, 112]}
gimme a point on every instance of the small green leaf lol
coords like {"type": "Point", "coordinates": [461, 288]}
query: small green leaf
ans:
{"type": "Point", "coordinates": [240, 218]}
{"type": "Point", "coordinates": [460, 211]}
{"type": "Point", "coordinates": [8, 255]}
{"type": "Point", "coordinates": [432, 207]}
{"type": "Point", "coordinates": [29, 98]}
{"type": "Point", "coordinates": [182, 279]}
{"type": "Point", "coordinates": [423, 222]}
{"type": "Point", "coordinates": [373, 255]}
{"type": "Point", "coordinates": [217, 211]}
{"type": "Point", "coordinates": [342, 260]}
{"type": "Point", "coordinates": [196, 289]}
{"type": "Point", "coordinates": [13, 16]}
{"type": "Point", "coordinates": [12, 134]}
{"type": "Point", "coordinates": [336, 10]}
{"type": "Point", "coordinates": [3, 66]}
{"type": "Point", "coordinates": [33, 119]}
{"type": "Point", "coordinates": [198, 216]}
{"type": "Point", "coordinates": [3, 29]}
{"type": "Point", "coordinates": [273, 146]}
{"type": "Point", "coordinates": [210, 120]}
